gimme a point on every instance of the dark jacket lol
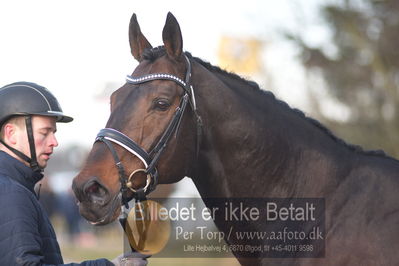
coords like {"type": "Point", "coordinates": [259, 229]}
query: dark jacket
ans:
{"type": "Point", "coordinates": [26, 234]}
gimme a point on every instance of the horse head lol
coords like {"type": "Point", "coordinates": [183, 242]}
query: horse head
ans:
{"type": "Point", "coordinates": [150, 136]}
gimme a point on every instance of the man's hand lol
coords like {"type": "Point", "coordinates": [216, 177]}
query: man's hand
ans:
{"type": "Point", "coordinates": [131, 259]}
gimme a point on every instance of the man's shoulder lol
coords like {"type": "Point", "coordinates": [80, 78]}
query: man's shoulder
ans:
{"type": "Point", "coordinates": [11, 192]}
{"type": "Point", "coordinates": [7, 183]}
{"type": "Point", "coordinates": [18, 206]}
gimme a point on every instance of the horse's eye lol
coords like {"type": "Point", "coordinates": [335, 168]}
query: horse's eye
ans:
{"type": "Point", "coordinates": [161, 104]}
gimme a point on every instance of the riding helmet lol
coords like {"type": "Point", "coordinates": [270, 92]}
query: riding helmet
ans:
{"type": "Point", "coordinates": [27, 98]}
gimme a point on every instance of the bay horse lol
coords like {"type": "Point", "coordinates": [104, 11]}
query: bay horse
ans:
{"type": "Point", "coordinates": [179, 116]}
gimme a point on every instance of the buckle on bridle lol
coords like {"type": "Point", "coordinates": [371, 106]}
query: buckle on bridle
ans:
{"type": "Point", "coordinates": [129, 183]}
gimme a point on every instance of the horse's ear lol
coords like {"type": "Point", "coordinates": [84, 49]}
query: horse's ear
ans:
{"type": "Point", "coordinates": [138, 42]}
{"type": "Point", "coordinates": [172, 38]}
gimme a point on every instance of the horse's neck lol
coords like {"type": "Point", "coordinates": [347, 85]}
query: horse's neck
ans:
{"type": "Point", "coordinates": [256, 147]}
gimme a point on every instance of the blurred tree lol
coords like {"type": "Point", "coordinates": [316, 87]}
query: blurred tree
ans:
{"type": "Point", "coordinates": [362, 72]}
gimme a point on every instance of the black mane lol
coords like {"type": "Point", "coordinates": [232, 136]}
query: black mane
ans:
{"type": "Point", "coordinates": [154, 53]}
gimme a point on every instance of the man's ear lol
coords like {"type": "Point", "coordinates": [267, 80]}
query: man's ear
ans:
{"type": "Point", "coordinates": [10, 133]}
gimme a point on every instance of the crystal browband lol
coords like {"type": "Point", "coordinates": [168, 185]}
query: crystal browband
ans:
{"type": "Point", "coordinates": [151, 77]}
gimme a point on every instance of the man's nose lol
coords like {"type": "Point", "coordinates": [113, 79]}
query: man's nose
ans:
{"type": "Point", "coordinates": [54, 141]}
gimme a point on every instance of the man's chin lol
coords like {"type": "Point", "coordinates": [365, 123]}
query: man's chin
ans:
{"type": "Point", "coordinates": [42, 163]}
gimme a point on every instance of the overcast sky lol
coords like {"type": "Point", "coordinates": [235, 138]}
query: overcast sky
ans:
{"type": "Point", "coordinates": [76, 47]}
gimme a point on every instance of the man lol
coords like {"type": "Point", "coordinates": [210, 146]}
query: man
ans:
{"type": "Point", "coordinates": [28, 116]}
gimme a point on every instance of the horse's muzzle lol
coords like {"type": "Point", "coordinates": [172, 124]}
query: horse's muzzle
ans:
{"type": "Point", "coordinates": [95, 202]}
{"type": "Point", "coordinates": [91, 191]}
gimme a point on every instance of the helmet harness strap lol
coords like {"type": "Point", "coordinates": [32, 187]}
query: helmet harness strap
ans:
{"type": "Point", "coordinates": [34, 165]}
{"type": "Point", "coordinates": [33, 159]}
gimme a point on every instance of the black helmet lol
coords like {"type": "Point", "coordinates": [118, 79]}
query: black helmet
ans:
{"type": "Point", "coordinates": [26, 98]}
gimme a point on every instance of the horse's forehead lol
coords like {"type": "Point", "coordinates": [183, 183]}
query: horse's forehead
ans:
{"type": "Point", "coordinates": [160, 65]}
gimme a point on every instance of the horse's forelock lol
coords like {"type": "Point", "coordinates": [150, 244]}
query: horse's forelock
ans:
{"type": "Point", "coordinates": [154, 53]}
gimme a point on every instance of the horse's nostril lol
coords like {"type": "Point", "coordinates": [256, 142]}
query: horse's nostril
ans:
{"type": "Point", "coordinates": [95, 192]}
{"type": "Point", "coordinates": [93, 188]}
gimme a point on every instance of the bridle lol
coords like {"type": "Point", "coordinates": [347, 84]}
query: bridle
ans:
{"type": "Point", "coordinates": [150, 160]}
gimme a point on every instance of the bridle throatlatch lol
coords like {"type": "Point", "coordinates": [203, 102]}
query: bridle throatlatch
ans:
{"type": "Point", "coordinates": [111, 136]}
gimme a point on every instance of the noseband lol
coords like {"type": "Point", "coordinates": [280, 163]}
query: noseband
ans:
{"type": "Point", "coordinates": [110, 135]}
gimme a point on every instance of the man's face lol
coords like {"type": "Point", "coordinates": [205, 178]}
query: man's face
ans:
{"type": "Point", "coordinates": [44, 128]}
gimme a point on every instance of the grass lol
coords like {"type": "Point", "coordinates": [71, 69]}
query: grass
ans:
{"type": "Point", "coordinates": [107, 242]}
